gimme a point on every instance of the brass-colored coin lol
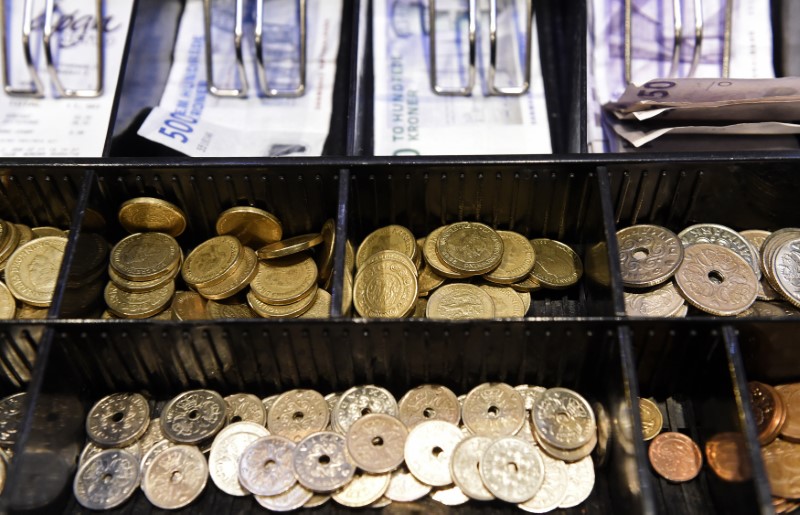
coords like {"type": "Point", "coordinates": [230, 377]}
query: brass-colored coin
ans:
{"type": "Point", "coordinates": [652, 420]}
{"type": "Point", "coordinates": [289, 246]}
{"type": "Point", "coordinates": [26, 312]}
{"type": "Point", "coordinates": [418, 259]}
{"type": "Point", "coordinates": [420, 308]}
{"type": "Point", "coordinates": [391, 237]}
{"type": "Point", "coordinates": [9, 243]}
{"type": "Point", "coordinates": [432, 257]}
{"type": "Point", "coordinates": [222, 310]}
{"type": "Point", "coordinates": [527, 285]}
{"type": "Point", "coordinates": [349, 257]}
{"type": "Point", "coordinates": [470, 248]}
{"type": "Point", "coordinates": [285, 280]}
{"type": "Point", "coordinates": [386, 286]}
{"type": "Point", "coordinates": [557, 265]}
{"type": "Point", "coordinates": [252, 226]}
{"type": "Point", "coordinates": [790, 395]}
{"type": "Point", "coordinates": [292, 310]}
{"type": "Point", "coordinates": [238, 280]}
{"type": "Point", "coordinates": [145, 256]}
{"type": "Point", "coordinates": [188, 305]}
{"type": "Point", "coordinates": [347, 293]}
{"type": "Point", "coordinates": [428, 279]}
{"type": "Point", "coordinates": [25, 233]}
{"type": "Point", "coordinates": [782, 461]}
{"type": "Point", "coordinates": [89, 259]}
{"type": "Point", "coordinates": [8, 304]}
{"type": "Point", "coordinates": [460, 302]}
{"type": "Point", "coordinates": [321, 307]}
{"type": "Point", "coordinates": [143, 286]}
{"type": "Point", "coordinates": [517, 262]}
{"type": "Point", "coordinates": [138, 305]}
{"type": "Point", "coordinates": [507, 302]}
{"type": "Point", "coordinates": [526, 300]}
{"type": "Point", "coordinates": [32, 270]}
{"type": "Point", "coordinates": [147, 214]}
{"type": "Point", "coordinates": [325, 255]}
{"type": "Point", "coordinates": [41, 232]}
{"type": "Point", "coordinates": [756, 238]}
{"type": "Point", "coordinates": [213, 261]}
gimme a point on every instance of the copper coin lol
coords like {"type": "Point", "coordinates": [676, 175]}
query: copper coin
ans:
{"type": "Point", "coordinates": [768, 411]}
{"type": "Point", "coordinates": [727, 456]}
{"type": "Point", "coordinates": [675, 457]}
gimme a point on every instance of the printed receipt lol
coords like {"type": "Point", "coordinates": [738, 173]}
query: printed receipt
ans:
{"type": "Point", "coordinates": [411, 120]}
{"type": "Point", "coordinates": [198, 124]}
{"type": "Point", "coordinates": [63, 127]}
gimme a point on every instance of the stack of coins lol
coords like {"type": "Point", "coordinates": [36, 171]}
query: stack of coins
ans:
{"type": "Point", "coordinates": [673, 455]}
{"type": "Point", "coordinates": [360, 448]}
{"type": "Point", "coordinates": [776, 411]}
{"type": "Point", "coordinates": [465, 270]}
{"type": "Point", "coordinates": [10, 423]}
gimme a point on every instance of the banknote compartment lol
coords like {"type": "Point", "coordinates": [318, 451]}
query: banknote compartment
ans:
{"type": "Point", "coordinates": [690, 370]}
{"type": "Point", "coordinates": [561, 202]}
{"type": "Point", "coordinates": [88, 361]}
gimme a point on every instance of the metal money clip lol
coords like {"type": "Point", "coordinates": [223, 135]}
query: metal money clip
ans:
{"type": "Point", "coordinates": [677, 17]}
{"type": "Point", "coordinates": [261, 60]}
{"type": "Point", "coordinates": [493, 89]}
{"type": "Point", "coordinates": [37, 89]}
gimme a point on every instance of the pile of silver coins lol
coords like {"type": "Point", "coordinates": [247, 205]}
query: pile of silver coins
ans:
{"type": "Point", "coordinates": [10, 421]}
{"type": "Point", "coordinates": [711, 268]}
{"type": "Point", "coordinates": [525, 445]}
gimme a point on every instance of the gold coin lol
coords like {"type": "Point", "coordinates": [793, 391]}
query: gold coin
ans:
{"type": "Point", "coordinates": [292, 310]}
{"type": "Point", "coordinates": [391, 237]}
{"type": "Point", "coordinates": [9, 243]}
{"type": "Point", "coordinates": [557, 266]}
{"type": "Point", "coordinates": [420, 308]}
{"type": "Point", "coordinates": [164, 315]}
{"type": "Point", "coordinates": [145, 256]}
{"type": "Point", "coordinates": [138, 305]}
{"type": "Point", "coordinates": [347, 293]}
{"type": "Point", "coordinates": [429, 280]}
{"type": "Point", "coordinates": [254, 227]}
{"type": "Point", "coordinates": [325, 256]}
{"type": "Point", "coordinates": [147, 214]}
{"type": "Point", "coordinates": [526, 299]}
{"type": "Point", "coordinates": [469, 247]}
{"type": "Point", "coordinates": [8, 304]}
{"type": "Point", "coordinates": [386, 287]}
{"type": "Point", "coordinates": [41, 232]}
{"type": "Point", "coordinates": [652, 420]}
{"type": "Point", "coordinates": [89, 259]}
{"type": "Point", "coordinates": [418, 259]}
{"type": "Point", "coordinates": [517, 262]}
{"type": "Point", "coordinates": [239, 279]}
{"type": "Point", "coordinates": [222, 310]}
{"type": "Point", "coordinates": [188, 305]}
{"type": "Point", "coordinates": [528, 284]}
{"type": "Point", "coordinates": [321, 307]}
{"type": "Point", "coordinates": [25, 233]}
{"type": "Point", "coordinates": [143, 286]}
{"type": "Point", "coordinates": [285, 280]}
{"type": "Point", "coordinates": [289, 246]}
{"type": "Point", "coordinates": [26, 312]}
{"type": "Point", "coordinates": [213, 261]}
{"type": "Point", "coordinates": [460, 301]}
{"type": "Point", "coordinates": [349, 257]}
{"type": "Point", "coordinates": [32, 270]}
{"type": "Point", "coordinates": [507, 303]}
{"type": "Point", "coordinates": [432, 257]}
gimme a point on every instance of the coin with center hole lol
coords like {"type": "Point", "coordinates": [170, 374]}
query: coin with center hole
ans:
{"type": "Point", "coordinates": [106, 480]}
{"type": "Point", "coordinates": [376, 443]}
{"type": "Point", "coordinates": [360, 401]}
{"type": "Point", "coordinates": [176, 477]}
{"type": "Point", "coordinates": [266, 466]}
{"type": "Point", "coordinates": [363, 490]}
{"type": "Point", "coordinates": [580, 482]}
{"type": "Point", "coordinates": [293, 498]}
{"type": "Point", "coordinates": [428, 450]}
{"type": "Point", "coordinates": [648, 255]}
{"type": "Point", "coordinates": [297, 414]}
{"type": "Point", "coordinates": [493, 409]}
{"type": "Point", "coordinates": [245, 407]}
{"type": "Point", "coordinates": [404, 487]}
{"type": "Point", "coordinates": [226, 451]}
{"type": "Point", "coordinates": [513, 470]}
{"type": "Point", "coordinates": [322, 463]}
{"type": "Point", "coordinates": [193, 416]}
{"type": "Point", "coordinates": [451, 496]}
{"type": "Point", "coordinates": [553, 489]}
{"type": "Point", "coordinates": [429, 402]}
{"type": "Point", "coordinates": [465, 467]}
{"type": "Point", "coordinates": [118, 420]}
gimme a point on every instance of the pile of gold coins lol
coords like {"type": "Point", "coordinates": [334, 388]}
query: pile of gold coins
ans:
{"type": "Point", "coordinates": [10, 424]}
{"type": "Point", "coordinates": [776, 411]}
{"type": "Point", "coordinates": [246, 271]}
{"type": "Point", "coordinates": [30, 259]}
{"type": "Point", "coordinates": [711, 268]}
{"type": "Point", "coordinates": [525, 445]}
{"type": "Point", "coordinates": [465, 270]}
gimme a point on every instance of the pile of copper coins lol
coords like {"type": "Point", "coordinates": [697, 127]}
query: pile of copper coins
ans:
{"type": "Point", "coordinates": [525, 445]}
{"type": "Point", "coordinates": [776, 411]}
{"type": "Point", "coordinates": [10, 422]}
{"type": "Point", "coordinates": [465, 270]}
{"type": "Point", "coordinates": [711, 268]}
{"type": "Point", "coordinates": [30, 259]}
{"type": "Point", "coordinates": [246, 271]}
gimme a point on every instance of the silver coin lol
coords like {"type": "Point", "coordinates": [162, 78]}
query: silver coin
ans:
{"type": "Point", "coordinates": [512, 470]}
{"type": "Point", "coordinates": [226, 451]}
{"type": "Point", "coordinates": [770, 310]}
{"type": "Point", "coordinates": [580, 482]}
{"type": "Point", "coordinates": [723, 236]}
{"type": "Point", "coordinates": [321, 462]}
{"type": "Point", "coordinates": [465, 467]}
{"type": "Point", "coordinates": [567, 455]}
{"type": "Point", "coordinates": [771, 244]}
{"type": "Point", "coordinates": [359, 401]}
{"type": "Point", "coordinates": [452, 496]}
{"type": "Point", "coordinates": [245, 407]}
{"type": "Point", "coordinates": [526, 432]}
{"type": "Point", "coordinates": [106, 480]}
{"type": "Point", "coordinates": [553, 489]}
{"type": "Point", "coordinates": [662, 301]}
{"type": "Point", "coordinates": [268, 402]}
{"type": "Point", "coordinates": [648, 254]}
{"type": "Point", "coordinates": [493, 409]}
{"type": "Point", "coordinates": [530, 394]}
{"type": "Point", "coordinates": [332, 399]}
{"type": "Point", "coordinates": [604, 433]}
{"type": "Point", "coordinates": [91, 449]}
{"type": "Point", "coordinates": [429, 402]}
{"type": "Point", "coordinates": [786, 271]}
{"type": "Point", "coordinates": [297, 414]}
{"type": "Point", "coordinates": [317, 500]}
{"type": "Point", "coordinates": [564, 419]}
{"type": "Point", "coordinates": [151, 436]}
{"type": "Point", "coordinates": [363, 490]}
{"type": "Point", "coordinates": [11, 411]}
{"type": "Point", "coordinates": [266, 466]}
{"type": "Point", "coordinates": [404, 487]}
{"type": "Point", "coordinates": [118, 420]}
{"type": "Point", "coordinates": [376, 442]}
{"type": "Point", "coordinates": [681, 312]}
{"type": "Point", "coordinates": [154, 451]}
{"type": "Point", "coordinates": [193, 416]}
{"type": "Point", "coordinates": [380, 503]}
{"type": "Point", "coordinates": [429, 447]}
{"type": "Point", "coordinates": [176, 477]}
{"type": "Point", "coordinates": [292, 499]}
{"type": "Point", "coordinates": [765, 291]}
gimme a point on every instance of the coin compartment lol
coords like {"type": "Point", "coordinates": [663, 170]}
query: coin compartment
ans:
{"type": "Point", "coordinates": [87, 361]}
{"type": "Point", "coordinates": [539, 201]}
{"type": "Point", "coordinates": [691, 371]}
